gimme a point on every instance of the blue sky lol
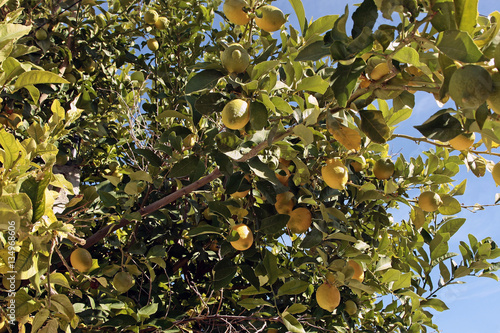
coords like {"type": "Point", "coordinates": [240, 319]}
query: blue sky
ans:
{"type": "Point", "coordinates": [474, 306]}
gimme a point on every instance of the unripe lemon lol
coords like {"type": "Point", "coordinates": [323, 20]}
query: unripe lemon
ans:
{"type": "Point", "coordinates": [236, 114]}
{"type": "Point", "coordinates": [300, 220]}
{"type": "Point", "coordinates": [235, 58]}
{"type": "Point", "coordinates": [334, 173]}
{"type": "Point", "coordinates": [153, 44]}
{"type": "Point", "coordinates": [496, 173]}
{"type": "Point", "coordinates": [359, 274]}
{"type": "Point", "coordinates": [429, 201]}
{"type": "Point", "coordinates": [383, 169]}
{"type": "Point", "coordinates": [284, 203]}
{"type": "Point", "coordinates": [41, 34]}
{"type": "Point", "coordinates": [89, 65]}
{"type": "Point", "coordinates": [328, 297]}
{"type": "Point", "coordinates": [137, 76]}
{"type": "Point", "coordinates": [81, 260]}
{"type": "Point", "coordinates": [161, 23]}
{"type": "Point", "coordinates": [71, 78]}
{"type": "Point", "coordinates": [123, 281]}
{"type": "Point", "coordinates": [494, 98]}
{"type": "Point", "coordinates": [351, 308]}
{"type": "Point", "coordinates": [151, 16]}
{"type": "Point", "coordinates": [233, 9]}
{"type": "Point", "coordinates": [470, 86]}
{"type": "Point", "coordinates": [271, 18]}
{"type": "Point", "coordinates": [462, 141]}
{"type": "Point", "coordinates": [246, 237]}
{"type": "Point", "coordinates": [207, 215]}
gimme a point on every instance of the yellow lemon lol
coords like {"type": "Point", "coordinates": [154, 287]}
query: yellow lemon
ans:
{"type": "Point", "coordinates": [300, 220]}
{"type": "Point", "coordinates": [236, 114]}
{"type": "Point", "coordinates": [462, 141]}
{"type": "Point", "coordinates": [233, 9]}
{"type": "Point", "coordinates": [335, 174]}
{"type": "Point", "coordinates": [246, 237]}
{"type": "Point", "coordinates": [153, 44]}
{"type": "Point", "coordinates": [429, 201]}
{"type": "Point", "coordinates": [81, 260]}
{"type": "Point", "coordinates": [328, 297]}
{"type": "Point", "coordinates": [383, 169]}
{"type": "Point", "coordinates": [284, 203]}
{"type": "Point", "coordinates": [270, 18]}
{"type": "Point", "coordinates": [496, 173]}
{"type": "Point", "coordinates": [123, 281]}
{"type": "Point", "coordinates": [359, 274]}
{"type": "Point", "coordinates": [150, 17]}
{"type": "Point", "coordinates": [161, 23]}
{"type": "Point", "coordinates": [235, 58]}
{"type": "Point", "coordinates": [351, 308]}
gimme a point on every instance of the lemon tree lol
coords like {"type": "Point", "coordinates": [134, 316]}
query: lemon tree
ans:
{"type": "Point", "coordinates": [234, 165]}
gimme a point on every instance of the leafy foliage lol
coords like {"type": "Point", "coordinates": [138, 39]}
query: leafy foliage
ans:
{"type": "Point", "coordinates": [144, 174]}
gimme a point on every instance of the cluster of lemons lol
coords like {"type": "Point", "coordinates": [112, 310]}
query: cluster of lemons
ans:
{"type": "Point", "coordinates": [81, 260]}
{"type": "Point", "coordinates": [152, 18]}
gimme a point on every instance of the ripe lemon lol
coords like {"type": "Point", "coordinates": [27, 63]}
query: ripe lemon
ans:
{"type": "Point", "coordinates": [328, 297]}
{"type": "Point", "coordinates": [300, 220]}
{"type": "Point", "coordinates": [151, 16]}
{"type": "Point", "coordinates": [359, 274]}
{"type": "Point", "coordinates": [81, 260]}
{"type": "Point", "coordinates": [496, 173]}
{"type": "Point", "coordinates": [383, 169]}
{"type": "Point", "coordinates": [123, 281]}
{"type": "Point", "coordinates": [284, 203]}
{"type": "Point", "coordinates": [236, 114]}
{"type": "Point", "coordinates": [271, 18]}
{"type": "Point", "coordinates": [429, 201]}
{"type": "Point", "coordinates": [246, 237]}
{"type": "Point", "coordinates": [462, 141]}
{"type": "Point", "coordinates": [153, 44]}
{"type": "Point", "coordinates": [233, 9]}
{"type": "Point", "coordinates": [470, 86]}
{"type": "Point", "coordinates": [351, 308]}
{"type": "Point", "coordinates": [494, 98]}
{"type": "Point", "coordinates": [335, 174]}
{"type": "Point", "coordinates": [235, 58]}
{"type": "Point", "coordinates": [161, 23]}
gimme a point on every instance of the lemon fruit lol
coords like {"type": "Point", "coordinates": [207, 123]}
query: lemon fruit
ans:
{"type": "Point", "coordinates": [462, 141]}
{"type": "Point", "coordinates": [429, 201]}
{"type": "Point", "coordinates": [235, 58]}
{"type": "Point", "coordinates": [359, 274]}
{"type": "Point", "coordinates": [328, 297]}
{"type": "Point", "coordinates": [153, 44]}
{"type": "Point", "coordinates": [233, 9]}
{"type": "Point", "coordinates": [270, 18]}
{"type": "Point", "coordinates": [284, 203]}
{"type": "Point", "coordinates": [496, 173]}
{"type": "Point", "coordinates": [350, 307]}
{"type": "Point", "coordinates": [246, 237]}
{"type": "Point", "coordinates": [358, 166]}
{"type": "Point", "coordinates": [335, 174]}
{"type": "Point", "coordinates": [236, 114]}
{"type": "Point", "coordinates": [300, 220]}
{"type": "Point", "coordinates": [161, 23]}
{"type": "Point", "coordinates": [89, 65]}
{"type": "Point", "coordinates": [123, 281]}
{"type": "Point", "coordinates": [137, 76]}
{"type": "Point", "coordinates": [494, 98]}
{"type": "Point", "coordinates": [71, 78]}
{"type": "Point", "coordinates": [470, 86]}
{"type": "Point", "coordinates": [383, 169]}
{"type": "Point", "coordinates": [41, 34]}
{"type": "Point", "coordinates": [81, 260]}
{"type": "Point", "coordinates": [151, 16]}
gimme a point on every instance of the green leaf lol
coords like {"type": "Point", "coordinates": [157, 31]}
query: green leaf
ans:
{"type": "Point", "coordinates": [399, 116]}
{"type": "Point", "coordinates": [258, 115]}
{"type": "Point", "coordinates": [450, 206]}
{"type": "Point", "coordinates": [40, 318]}
{"type": "Point", "coordinates": [458, 45]}
{"type": "Point", "coordinates": [313, 238]}
{"type": "Point", "coordinates": [263, 68]}
{"type": "Point", "coordinates": [58, 279]}
{"type": "Point", "coordinates": [407, 55]}
{"type": "Point", "coordinates": [148, 310]}
{"type": "Point", "coordinates": [184, 167]}
{"type": "Point", "coordinates": [364, 16]}
{"type": "Point", "coordinates": [404, 281]}
{"type": "Point", "coordinates": [10, 31]}
{"type": "Point", "coordinates": [10, 153]}
{"type": "Point", "coordinates": [271, 264]}
{"type": "Point", "coordinates": [434, 303]}
{"type": "Point", "coordinates": [251, 291]}
{"type": "Point", "coordinates": [439, 245]}
{"type": "Point", "coordinates": [203, 80]}
{"type": "Point", "coordinates": [252, 303]}
{"type": "Point", "coordinates": [25, 304]}
{"type": "Point", "coordinates": [313, 83]}
{"type": "Point", "coordinates": [320, 26]}
{"type": "Point", "coordinates": [444, 17]}
{"type": "Point", "coordinates": [293, 287]}
{"type": "Point", "coordinates": [466, 15]}
{"type": "Point", "coordinates": [292, 324]}
{"type": "Point", "coordinates": [248, 273]}
{"type": "Point", "coordinates": [390, 275]}
{"type": "Point", "coordinates": [274, 224]}
{"type": "Point", "coordinates": [26, 262]}
{"type": "Point", "coordinates": [451, 226]}
{"type": "Point", "coordinates": [35, 189]}
{"type": "Point", "coordinates": [204, 230]}
{"type": "Point", "coordinates": [227, 141]}
{"type": "Point", "coordinates": [304, 133]}
{"type": "Point", "coordinates": [313, 51]}
{"type": "Point", "coordinates": [344, 80]}
{"type": "Point", "coordinates": [37, 77]}
{"type": "Point", "coordinates": [224, 270]}
{"type": "Point", "coordinates": [210, 103]}
{"type": "Point", "coordinates": [374, 126]}
{"type": "Point", "coordinates": [301, 14]}
{"type": "Point", "coordinates": [282, 105]}
{"type": "Point", "coordinates": [441, 126]}
{"type": "Point", "coordinates": [296, 308]}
